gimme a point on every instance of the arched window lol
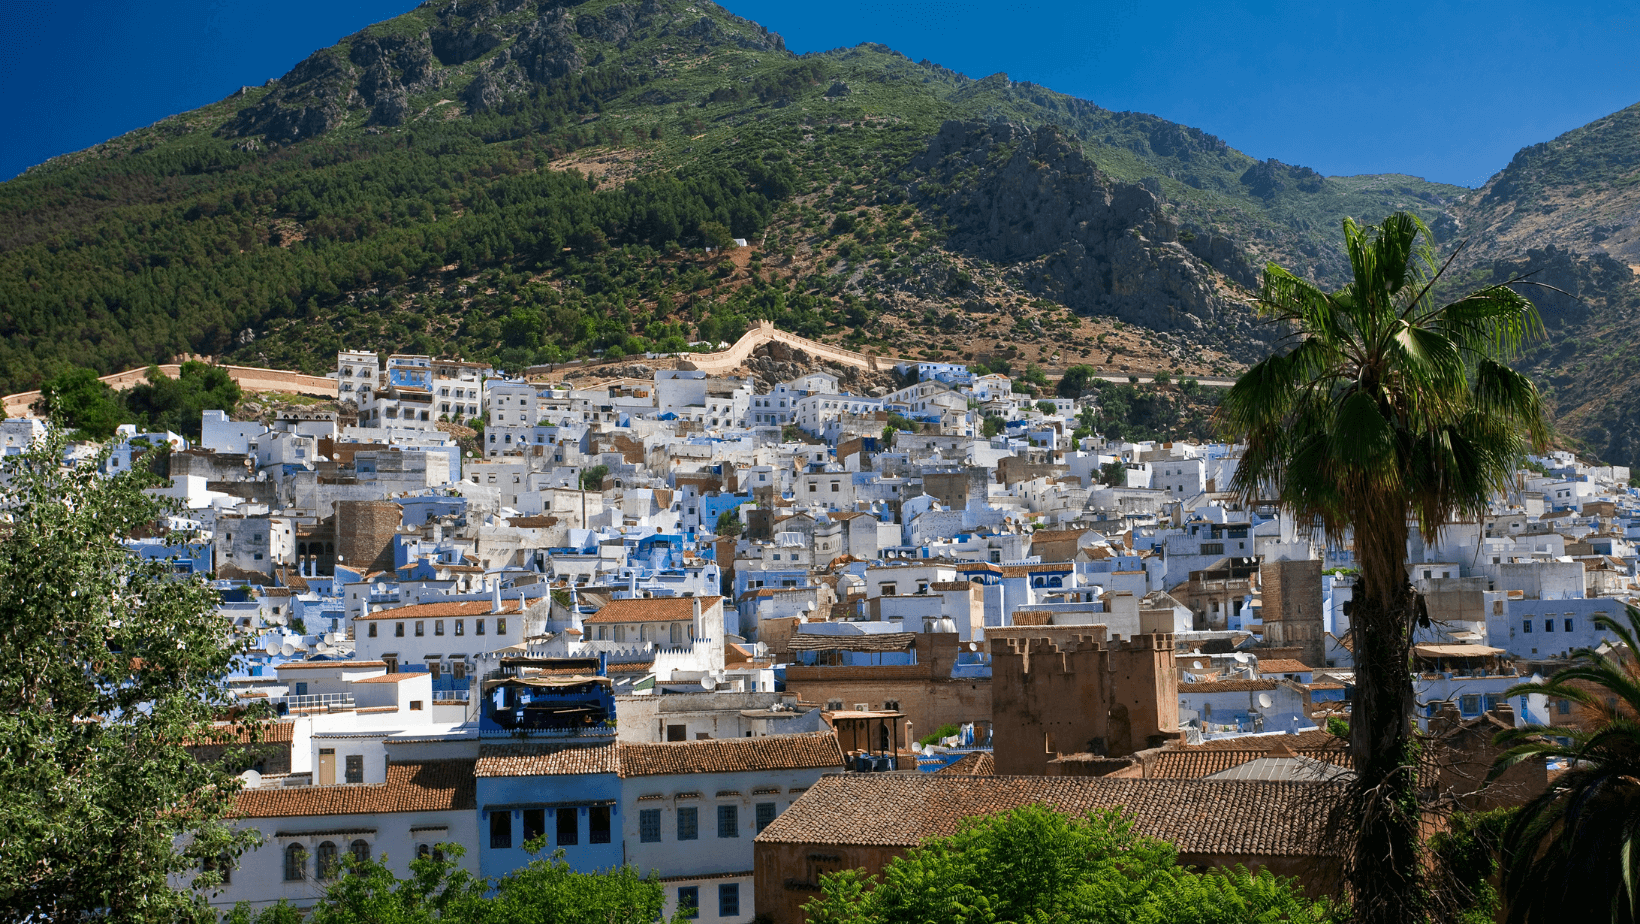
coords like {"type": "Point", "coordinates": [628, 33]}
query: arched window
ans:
{"type": "Point", "coordinates": [295, 863]}
{"type": "Point", "coordinates": [326, 865]}
{"type": "Point", "coordinates": [361, 852]}
{"type": "Point", "coordinates": [423, 851]}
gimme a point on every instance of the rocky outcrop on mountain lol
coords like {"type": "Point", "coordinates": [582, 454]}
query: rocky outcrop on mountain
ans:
{"type": "Point", "coordinates": [309, 101]}
{"type": "Point", "coordinates": [1032, 201]}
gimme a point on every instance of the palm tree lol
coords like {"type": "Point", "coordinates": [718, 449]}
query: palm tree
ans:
{"type": "Point", "coordinates": [1392, 411]}
{"type": "Point", "coordinates": [1573, 853]}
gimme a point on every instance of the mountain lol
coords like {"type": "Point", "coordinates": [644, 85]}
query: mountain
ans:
{"type": "Point", "coordinates": [1566, 214]}
{"type": "Point", "coordinates": [527, 181]}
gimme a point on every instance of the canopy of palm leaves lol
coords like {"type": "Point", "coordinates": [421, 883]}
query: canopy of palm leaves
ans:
{"type": "Point", "coordinates": [1573, 853]}
{"type": "Point", "coordinates": [1391, 409]}
{"type": "Point", "coordinates": [1391, 406]}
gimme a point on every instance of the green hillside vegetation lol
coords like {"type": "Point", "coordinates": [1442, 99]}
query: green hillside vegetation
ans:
{"type": "Point", "coordinates": [454, 231]}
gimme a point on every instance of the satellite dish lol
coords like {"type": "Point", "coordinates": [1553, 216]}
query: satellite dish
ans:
{"type": "Point", "coordinates": [321, 647]}
{"type": "Point", "coordinates": [1241, 658]}
{"type": "Point", "coordinates": [287, 649]}
{"type": "Point", "coordinates": [272, 646]}
{"type": "Point", "coordinates": [1195, 665]}
{"type": "Point", "coordinates": [280, 620]}
{"type": "Point", "coordinates": [253, 780]}
{"type": "Point", "coordinates": [1265, 701]}
{"type": "Point", "coordinates": [707, 683]}
{"type": "Point", "coordinates": [973, 646]}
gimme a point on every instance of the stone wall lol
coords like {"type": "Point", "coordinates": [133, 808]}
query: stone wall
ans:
{"type": "Point", "coordinates": [1292, 608]}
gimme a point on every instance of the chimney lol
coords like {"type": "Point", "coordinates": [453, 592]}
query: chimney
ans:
{"type": "Point", "coordinates": [495, 594]}
{"type": "Point", "coordinates": [1504, 712]}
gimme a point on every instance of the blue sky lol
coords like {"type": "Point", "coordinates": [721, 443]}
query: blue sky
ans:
{"type": "Point", "coordinates": [1443, 90]}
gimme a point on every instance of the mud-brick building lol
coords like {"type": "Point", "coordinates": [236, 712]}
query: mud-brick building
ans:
{"type": "Point", "coordinates": [1068, 689]}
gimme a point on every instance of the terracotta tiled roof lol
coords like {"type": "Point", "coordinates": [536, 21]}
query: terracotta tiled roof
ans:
{"type": "Point", "coordinates": [1236, 818]}
{"type": "Point", "coordinates": [394, 678]}
{"type": "Point", "coordinates": [426, 786]}
{"type": "Point", "coordinates": [1227, 686]}
{"type": "Point", "coordinates": [1195, 763]}
{"type": "Point", "coordinates": [731, 755]}
{"type": "Point", "coordinates": [1320, 738]}
{"type": "Point", "coordinates": [979, 763]}
{"type": "Point", "coordinates": [546, 760]}
{"type": "Point", "coordinates": [1283, 666]}
{"type": "Point", "coordinates": [240, 733]}
{"type": "Point", "coordinates": [443, 610]}
{"type": "Point", "coordinates": [1028, 570]}
{"type": "Point", "coordinates": [316, 665]}
{"type": "Point", "coordinates": [655, 609]}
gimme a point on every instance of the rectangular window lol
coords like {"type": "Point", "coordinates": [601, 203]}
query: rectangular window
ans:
{"type": "Point", "coordinates": [729, 900]}
{"type": "Point", "coordinates": [765, 815]}
{"type": "Point", "coordinates": [458, 670]}
{"type": "Point", "coordinates": [438, 627]}
{"type": "Point", "coordinates": [1526, 626]}
{"type": "Point", "coordinates": [598, 824]}
{"type": "Point", "coordinates": [728, 820]}
{"type": "Point", "coordinates": [649, 826]}
{"type": "Point", "coordinates": [355, 768]}
{"type": "Point", "coordinates": [372, 632]}
{"type": "Point", "coordinates": [688, 824]}
{"type": "Point", "coordinates": [1568, 625]}
{"type": "Point", "coordinates": [569, 828]}
{"type": "Point", "coordinates": [689, 901]}
{"type": "Point", "coordinates": [398, 630]}
{"type": "Point", "coordinates": [478, 627]}
{"type": "Point", "coordinates": [1564, 707]}
{"type": "Point", "coordinates": [1469, 704]}
{"type": "Point", "coordinates": [500, 830]}
{"type": "Point", "coordinates": [500, 627]}
{"type": "Point", "coordinates": [677, 733]}
{"type": "Point", "coordinates": [535, 824]}
{"type": "Point", "coordinates": [421, 628]}
{"type": "Point", "coordinates": [392, 662]}
{"type": "Point", "coordinates": [461, 629]}
{"type": "Point", "coordinates": [415, 705]}
{"type": "Point", "coordinates": [436, 669]}
{"type": "Point", "coordinates": [1549, 625]}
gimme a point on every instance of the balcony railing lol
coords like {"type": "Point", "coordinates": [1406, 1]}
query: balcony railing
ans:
{"type": "Point", "coordinates": [314, 702]}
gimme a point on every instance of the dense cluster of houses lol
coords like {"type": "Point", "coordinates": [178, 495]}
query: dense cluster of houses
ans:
{"type": "Point", "coordinates": [742, 635]}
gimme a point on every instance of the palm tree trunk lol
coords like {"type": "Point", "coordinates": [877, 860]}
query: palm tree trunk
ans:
{"type": "Point", "coordinates": [1385, 873]}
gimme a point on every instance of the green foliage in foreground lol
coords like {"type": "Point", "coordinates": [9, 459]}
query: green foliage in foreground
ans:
{"type": "Point", "coordinates": [1034, 864]}
{"type": "Point", "coordinates": [1573, 852]}
{"type": "Point", "coordinates": [108, 665]}
{"type": "Point", "coordinates": [545, 891]}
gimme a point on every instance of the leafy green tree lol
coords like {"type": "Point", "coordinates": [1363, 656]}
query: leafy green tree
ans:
{"type": "Point", "coordinates": [1114, 473]}
{"type": "Point", "coordinates": [1466, 864]}
{"type": "Point", "coordinates": [1047, 407]}
{"type": "Point", "coordinates": [1075, 382]}
{"type": "Point", "coordinates": [75, 398]}
{"type": "Point", "coordinates": [1391, 408]}
{"type": "Point", "coordinates": [592, 479]}
{"type": "Point", "coordinates": [1573, 853]}
{"type": "Point", "coordinates": [544, 891]}
{"type": "Point", "coordinates": [715, 235]}
{"type": "Point", "coordinates": [992, 425]}
{"type": "Point", "coordinates": [163, 403]}
{"type": "Point", "coordinates": [1035, 864]}
{"type": "Point", "coordinates": [109, 665]}
{"type": "Point", "coordinates": [728, 523]}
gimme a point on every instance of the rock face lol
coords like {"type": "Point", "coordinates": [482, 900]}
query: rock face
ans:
{"type": "Point", "coordinates": [310, 100]}
{"type": "Point", "coordinates": [1032, 200]}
